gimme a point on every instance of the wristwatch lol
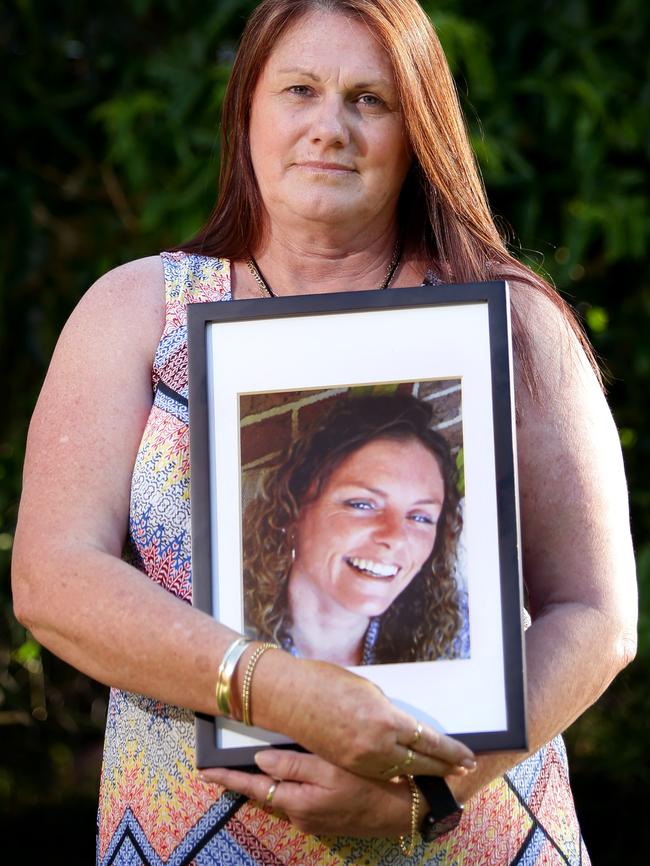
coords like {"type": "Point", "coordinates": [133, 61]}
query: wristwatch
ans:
{"type": "Point", "coordinates": [445, 812]}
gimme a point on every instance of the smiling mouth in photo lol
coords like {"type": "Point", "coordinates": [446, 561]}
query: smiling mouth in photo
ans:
{"type": "Point", "coordinates": [370, 568]}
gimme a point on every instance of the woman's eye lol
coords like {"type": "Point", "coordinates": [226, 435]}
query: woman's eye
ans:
{"type": "Point", "coordinates": [360, 504]}
{"type": "Point", "coordinates": [299, 89]}
{"type": "Point", "coordinates": [370, 100]}
{"type": "Point", "coordinates": [423, 518]}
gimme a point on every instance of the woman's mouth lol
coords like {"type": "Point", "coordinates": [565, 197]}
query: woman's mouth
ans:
{"type": "Point", "coordinates": [370, 568]}
{"type": "Point", "coordinates": [320, 165]}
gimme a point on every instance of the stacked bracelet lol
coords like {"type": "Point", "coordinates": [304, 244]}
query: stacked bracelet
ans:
{"type": "Point", "coordinates": [226, 670]}
{"type": "Point", "coordinates": [248, 679]}
{"type": "Point", "coordinates": [408, 849]}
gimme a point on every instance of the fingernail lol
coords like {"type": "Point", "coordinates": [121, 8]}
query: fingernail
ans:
{"type": "Point", "coordinates": [266, 761]}
{"type": "Point", "coordinates": [469, 764]}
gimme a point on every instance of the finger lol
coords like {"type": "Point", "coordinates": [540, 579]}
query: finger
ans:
{"type": "Point", "coordinates": [410, 763]}
{"type": "Point", "coordinates": [446, 749]}
{"type": "Point", "coordinates": [293, 766]}
{"type": "Point", "coordinates": [255, 786]}
{"type": "Point", "coordinates": [420, 766]}
{"type": "Point", "coordinates": [433, 744]}
{"type": "Point", "coordinates": [286, 797]}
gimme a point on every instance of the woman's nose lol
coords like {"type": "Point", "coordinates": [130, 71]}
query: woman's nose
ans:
{"type": "Point", "coordinates": [329, 123]}
{"type": "Point", "coordinates": [388, 530]}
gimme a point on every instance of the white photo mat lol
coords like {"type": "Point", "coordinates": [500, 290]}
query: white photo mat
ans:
{"type": "Point", "coordinates": [370, 347]}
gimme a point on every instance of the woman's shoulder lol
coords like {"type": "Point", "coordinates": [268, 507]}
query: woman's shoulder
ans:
{"type": "Point", "coordinates": [552, 357]}
{"type": "Point", "coordinates": [136, 285]}
{"type": "Point", "coordinates": [123, 311]}
{"type": "Point", "coordinates": [99, 377]}
{"type": "Point", "coordinates": [132, 305]}
{"type": "Point", "coordinates": [569, 456]}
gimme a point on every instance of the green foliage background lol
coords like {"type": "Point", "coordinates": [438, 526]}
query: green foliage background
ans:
{"type": "Point", "coordinates": [110, 120]}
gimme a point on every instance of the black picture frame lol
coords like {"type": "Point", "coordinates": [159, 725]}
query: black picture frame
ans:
{"type": "Point", "coordinates": [292, 343]}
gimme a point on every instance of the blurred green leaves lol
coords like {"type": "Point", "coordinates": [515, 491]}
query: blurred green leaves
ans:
{"type": "Point", "coordinates": [564, 137]}
{"type": "Point", "coordinates": [597, 319]}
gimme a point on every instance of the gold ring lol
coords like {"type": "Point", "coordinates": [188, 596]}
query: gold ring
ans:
{"type": "Point", "coordinates": [271, 793]}
{"type": "Point", "coordinates": [410, 757]}
{"type": "Point", "coordinates": [417, 733]}
{"type": "Point", "coordinates": [391, 772]}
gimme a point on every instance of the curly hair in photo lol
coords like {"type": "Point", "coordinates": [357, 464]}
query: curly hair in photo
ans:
{"type": "Point", "coordinates": [423, 621]}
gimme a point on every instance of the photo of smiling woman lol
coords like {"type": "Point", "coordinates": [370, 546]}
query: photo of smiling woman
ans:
{"type": "Point", "coordinates": [350, 542]}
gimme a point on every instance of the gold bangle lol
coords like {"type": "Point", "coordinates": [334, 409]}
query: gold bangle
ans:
{"type": "Point", "coordinates": [226, 670]}
{"type": "Point", "coordinates": [408, 849]}
{"type": "Point", "coordinates": [248, 679]}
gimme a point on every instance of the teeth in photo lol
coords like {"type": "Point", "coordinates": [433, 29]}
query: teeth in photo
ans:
{"type": "Point", "coordinates": [375, 569]}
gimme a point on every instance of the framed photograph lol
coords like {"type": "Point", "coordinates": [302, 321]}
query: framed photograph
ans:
{"type": "Point", "coordinates": [354, 498]}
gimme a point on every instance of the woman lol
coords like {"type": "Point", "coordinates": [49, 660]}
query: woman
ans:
{"type": "Point", "coordinates": [345, 165]}
{"type": "Point", "coordinates": [350, 548]}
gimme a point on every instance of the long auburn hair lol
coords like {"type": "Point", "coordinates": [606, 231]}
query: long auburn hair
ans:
{"type": "Point", "coordinates": [424, 619]}
{"type": "Point", "coordinates": [444, 212]}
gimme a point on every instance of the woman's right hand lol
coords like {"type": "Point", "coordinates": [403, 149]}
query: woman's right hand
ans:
{"type": "Point", "coordinates": [348, 721]}
{"type": "Point", "coordinates": [322, 799]}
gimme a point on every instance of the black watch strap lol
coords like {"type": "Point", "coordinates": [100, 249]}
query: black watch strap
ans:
{"type": "Point", "coordinates": [445, 812]}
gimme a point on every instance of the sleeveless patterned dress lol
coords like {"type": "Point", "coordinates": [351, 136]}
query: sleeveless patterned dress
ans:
{"type": "Point", "coordinates": [153, 809]}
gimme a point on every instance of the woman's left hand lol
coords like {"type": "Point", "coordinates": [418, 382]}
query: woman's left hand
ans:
{"type": "Point", "coordinates": [322, 799]}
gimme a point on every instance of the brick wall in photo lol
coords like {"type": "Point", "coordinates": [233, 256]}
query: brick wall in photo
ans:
{"type": "Point", "coordinates": [270, 421]}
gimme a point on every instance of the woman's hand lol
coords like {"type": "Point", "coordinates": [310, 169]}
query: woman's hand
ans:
{"type": "Point", "coordinates": [348, 721]}
{"type": "Point", "coordinates": [320, 798]}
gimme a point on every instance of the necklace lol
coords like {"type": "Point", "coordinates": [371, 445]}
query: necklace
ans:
{"type": "Point", "coordinates": [267, 291]}
{"type": "Point", "coordinates": [367, 652]}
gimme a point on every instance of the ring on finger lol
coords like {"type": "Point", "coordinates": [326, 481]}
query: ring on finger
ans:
{"type": "Point", "coordinates": [408, 760]}
{"type": "Point", "coordinates": [271, 793]}
{"type": "Point", "coordinates": [391, 772]}
{"type": "Point", "coordinates": [417, 733]}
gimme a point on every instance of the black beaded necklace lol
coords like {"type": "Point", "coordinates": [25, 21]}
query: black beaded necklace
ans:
{"type": "Point", "coordinates": [253, 267]}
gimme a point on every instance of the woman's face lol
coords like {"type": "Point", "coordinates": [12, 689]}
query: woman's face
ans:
{"type": "Point", "coordinates": [326, 134]}
{"type": "Point", "coordinates": [359, 545]}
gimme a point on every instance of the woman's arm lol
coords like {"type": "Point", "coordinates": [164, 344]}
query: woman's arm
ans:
{"type": "Point", "coordinates": [577, 558]}
{"type": "Point", "coordinates": [70, 587]}
{"type": "Point", "coordinates": [76, 595]}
